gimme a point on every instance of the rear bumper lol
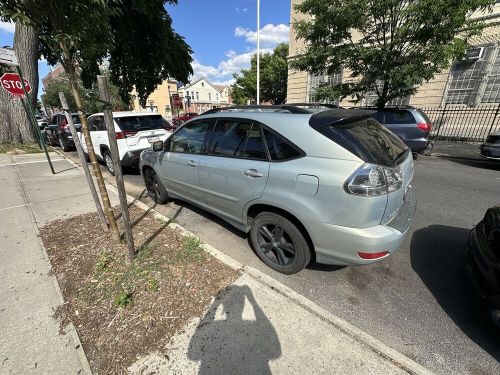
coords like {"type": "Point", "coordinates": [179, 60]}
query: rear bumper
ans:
{"type": "Point", "coordinates": [417, 145]}
{"type": "Point", "coordinates": [131, 158]}
{"type": "Point", "coordinates": [490, 151]}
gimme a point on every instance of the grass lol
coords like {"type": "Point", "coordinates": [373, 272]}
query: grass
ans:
{"type": "Point", "coordinates": [20, 148]}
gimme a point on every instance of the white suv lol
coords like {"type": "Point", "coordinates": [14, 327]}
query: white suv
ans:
{"type": "Point", "coordinates": [135, 131]}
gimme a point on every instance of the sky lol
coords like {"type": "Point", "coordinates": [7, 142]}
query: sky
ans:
{"type": "Point", "coordinates": [221, 33]}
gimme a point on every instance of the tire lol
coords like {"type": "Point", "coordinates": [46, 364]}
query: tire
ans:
{"type": "Point", "coordinates": [108, 161]}
{"type": "Point", "coordinates": [155, 188]}
{"type": "Point", "coordinates": [288, 254]}
{"type": "Point", "coordinates": [64, 146]}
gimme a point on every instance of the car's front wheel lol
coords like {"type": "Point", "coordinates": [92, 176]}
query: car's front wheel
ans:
{"type": "Point", "coordinates": [279, 243]}
{"type": "Point", "coordinates": [154, 186]}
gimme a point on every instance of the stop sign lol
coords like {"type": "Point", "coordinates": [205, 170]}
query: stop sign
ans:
{"type": "Point", "coordinates": [12, 84]}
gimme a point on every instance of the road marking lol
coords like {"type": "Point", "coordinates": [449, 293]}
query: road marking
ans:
{"type": "Point", "coordinates": [20, 205]}
{"type": "Point", "coordinates": [29, 162]}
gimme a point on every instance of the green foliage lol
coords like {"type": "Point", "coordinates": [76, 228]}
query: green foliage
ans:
{"type": "Point", "coordinates": [122, 299]}
{"type": "Point", "coordinates": [191, 250]}
{"type": "Point", "coordinates": [90, 96]}
{"type": "Point", "coordinates": [135, 35]}
{"type": "Point", "coordinates": [273, 78]}
{"type": "Point", "coordinates": [401, 44]}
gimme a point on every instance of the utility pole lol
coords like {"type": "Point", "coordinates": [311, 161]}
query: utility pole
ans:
{"type": "Point", "coordinates": [83, 161]}
{"type": "Point", "coordinates": [258, 52]}
{"type": "Point", "coordinates": [110, 125]}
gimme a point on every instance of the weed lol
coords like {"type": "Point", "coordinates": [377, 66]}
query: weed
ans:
{"type": "Point", "coordinates": [123, 298]}
{"type": "Point", "coordinates": [153, 284]}
{"type": "Point", "coordinates": [191, 250]}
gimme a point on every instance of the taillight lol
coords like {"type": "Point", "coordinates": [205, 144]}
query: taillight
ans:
{"type": "Point", "coordinates": [64, 124]}
{"type": "Point", "coordinates": [122, 135]}
{"type": "Point", "coordinates": [371, 179]}
{"type": "Point", "coordinates": [381, 254]}
{"type": "Point", "coordinates": [424, 126]}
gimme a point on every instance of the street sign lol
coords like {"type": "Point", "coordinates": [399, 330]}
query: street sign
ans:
{"type": "Point", "coordinates": [8, 57]}
{"type": "Point", "coordinates": [12, 84]}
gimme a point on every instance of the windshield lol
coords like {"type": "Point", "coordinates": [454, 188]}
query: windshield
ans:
{"type": "Point", "coordinates": [139, 123]}
{"type": "Point", "coordinates": [368, 140]}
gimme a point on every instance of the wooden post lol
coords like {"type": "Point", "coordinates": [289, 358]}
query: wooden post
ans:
{"type": "Point", "coordinates": [83, 161]}
{"type": "Point", "coordinates": [110, 126]}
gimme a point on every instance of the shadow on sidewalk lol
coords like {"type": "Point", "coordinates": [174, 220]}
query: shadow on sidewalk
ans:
{"type": "Point", "coordinates": [438, 257]}
{"type": "Point", "coordinates": [229, 340]}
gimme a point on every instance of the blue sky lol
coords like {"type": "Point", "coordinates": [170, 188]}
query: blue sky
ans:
{"type": "Point", "coordinates": [220, 32]}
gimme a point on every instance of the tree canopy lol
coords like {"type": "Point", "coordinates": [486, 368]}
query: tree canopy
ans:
{"type": "Point", "coordinates": [136, 36]}
{"type": "Point", "coordinates": [273, 78]}
{"type": "Point", "coordinates": [389, 47]}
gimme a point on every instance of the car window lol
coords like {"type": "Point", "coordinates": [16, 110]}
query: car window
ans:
{"type": "Point", "coordinates": [139, 123]}
{"type": "Point", "coordinates": [239, 139]}
{"type": "Point", "coordinates": [398, 117]}
{"type": "Point", "coordinates": [279, 148]}
{"type": "Point", "coordinates": [91, 124]}
{"type": "Point", "coordinates": [379, 116]}
{"type": "Point", "coordinates": [99, 123]}
{"type": "Point", "coordinates": [189, 139]}
{"type": "Point", "coordinates": [76, 119]}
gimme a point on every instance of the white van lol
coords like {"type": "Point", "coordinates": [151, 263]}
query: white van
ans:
{"type": "Point", "coordinates": [135, 131]}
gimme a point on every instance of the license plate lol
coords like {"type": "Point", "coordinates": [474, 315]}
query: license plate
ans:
{"type": "Point", "coordinates": [153, 139]}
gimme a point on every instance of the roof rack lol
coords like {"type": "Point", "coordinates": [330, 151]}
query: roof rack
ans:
{"type": "Point", "coordinates": [283, 107]}
{"type": "Point", "coordinates": [326, 105]}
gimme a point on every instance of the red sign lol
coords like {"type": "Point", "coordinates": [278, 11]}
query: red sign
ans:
{"type": "Point", "coordinates": [12, 84]}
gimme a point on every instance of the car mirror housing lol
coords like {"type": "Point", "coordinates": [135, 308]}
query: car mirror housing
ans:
{"type": "Point", "coordinates": [158, 146]}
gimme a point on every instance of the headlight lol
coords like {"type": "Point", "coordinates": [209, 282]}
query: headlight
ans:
{"type": "Point", "coordinates": [371, 179]}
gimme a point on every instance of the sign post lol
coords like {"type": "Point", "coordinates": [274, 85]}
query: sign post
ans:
{"type": "Point", "coordinates": [17, 86]}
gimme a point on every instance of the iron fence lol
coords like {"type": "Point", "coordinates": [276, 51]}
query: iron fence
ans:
{"type": "Point", "coordinates": [459, 123]}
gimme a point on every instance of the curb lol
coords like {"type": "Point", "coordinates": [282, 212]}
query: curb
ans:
{"type": "Point", "coordinates": [398, 359]}
{"type": "Point", "coordinates": [70, 328]}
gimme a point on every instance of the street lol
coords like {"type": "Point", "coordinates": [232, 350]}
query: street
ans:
{"type": "Point", "coordinates": [418, 301]}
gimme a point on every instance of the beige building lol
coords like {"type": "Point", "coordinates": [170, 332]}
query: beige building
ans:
{"type": "Point", "coordinates": [203, 96]}
{"type": "Point", "coordinates": [472, 81]}
{"type": "Point", "coordinates": [159, 101]}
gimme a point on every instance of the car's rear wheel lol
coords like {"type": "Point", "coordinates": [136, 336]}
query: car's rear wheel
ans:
{"type": "Point", "coordinates": [108, 160]}
{"type": "Point", "coordinates": [156, 189]}
{"type": "Point", "coordinates": [279, 243]}
{"type": "Point", "coordinates": [64, 145]}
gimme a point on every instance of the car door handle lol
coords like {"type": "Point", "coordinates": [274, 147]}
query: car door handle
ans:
{"type": "Point", "coordinates": [192, 163]}
{"type": "Point", "coordinates": [252, 173]}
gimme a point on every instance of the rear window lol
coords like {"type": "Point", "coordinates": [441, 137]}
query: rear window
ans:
{"type": "Point", "coordinates": [398, 117]}
{"type": "Point", "coordinates": [425, 117]}
{"type": "Point", "coordinates": [368, 140]}
{"type": "Point", "coordinates": [139, 123]}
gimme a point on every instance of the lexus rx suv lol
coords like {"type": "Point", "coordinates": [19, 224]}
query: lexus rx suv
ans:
{"type": "Point", "coordinates": [333, 186]}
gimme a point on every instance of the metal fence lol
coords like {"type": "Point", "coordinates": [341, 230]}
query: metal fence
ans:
{"type": "Point", "coordinates": [459, 123]}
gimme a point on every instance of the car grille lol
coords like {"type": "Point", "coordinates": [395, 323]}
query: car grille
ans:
{"type": "Point", "coordinates": [404, 217]}
{"type": "Point", "coordinates": [493, 139]}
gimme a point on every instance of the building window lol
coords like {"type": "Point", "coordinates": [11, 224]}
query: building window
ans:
{"type": "Point", "coordinates": [475, 79]}
{"type": "Point", "coordinates": [187, 94]}
{"type": "Point", "coordinates": [317, 80]}
{"type": "Point", "coordinates": [371, 98]}
{"type": "Point", "coordinates": [203, 84]}
{"type": "Point", "coordinates": [197, 96]}
{"type": "Point", "coordinates": [217, 97]}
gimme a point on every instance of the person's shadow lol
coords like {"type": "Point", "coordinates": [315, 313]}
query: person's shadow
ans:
{"type": "Point", "coordinates": [229, 340]}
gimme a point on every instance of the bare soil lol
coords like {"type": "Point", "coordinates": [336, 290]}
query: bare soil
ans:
{"type": "Point", "coordinates": [125, 309]}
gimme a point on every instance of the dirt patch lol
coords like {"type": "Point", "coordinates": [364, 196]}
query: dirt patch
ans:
{"type": "Point", "coordinates": [123, 310]}
{"type": "Point", "coordinates": [21, 148]}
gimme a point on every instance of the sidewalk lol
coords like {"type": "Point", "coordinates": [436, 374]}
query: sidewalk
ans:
{"type": "Point", "coordinates": [257, 326]}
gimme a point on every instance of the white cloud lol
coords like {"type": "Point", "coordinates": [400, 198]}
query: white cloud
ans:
{"type": "Point", "coordinates": [245, 9]}
{"type": "Point", "coordinates": [8, 27]}
{"type": "Point", "coordinates": [270, 34]}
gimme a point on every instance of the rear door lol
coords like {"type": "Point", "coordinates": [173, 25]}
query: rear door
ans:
{"type": "Point", "coordinates": [235, 169]}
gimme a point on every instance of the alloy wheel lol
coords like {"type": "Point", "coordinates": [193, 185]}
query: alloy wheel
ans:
{"type": "Point", "coordinates": [152, 184]}
{"type": "Point", "coordinates": [276, 244]}
{"type": "Point", "coordinates": [109, 163]}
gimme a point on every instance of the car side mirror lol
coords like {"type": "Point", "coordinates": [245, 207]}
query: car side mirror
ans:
{"type": "Point", "coordinates": [158, 146]}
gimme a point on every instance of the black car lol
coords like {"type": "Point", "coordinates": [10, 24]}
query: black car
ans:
{"type": "Point", "coordinates": [57, 131]}
{"type": "Point", "coordinates": [483, 259]}
{"type": "Point", "coordinates": [410, 124]}
{"type": "Point", "coordinates": [490, 149]}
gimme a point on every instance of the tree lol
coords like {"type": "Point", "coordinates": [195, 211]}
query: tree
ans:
{"type": "Point", "coordinates": [273, 78]}
{"type": "Point", "coordinates": [90, 96]}
{"type": "Point", "coordinates": [80, 34]}
{"type": "Point", "coordinates": [14, 124]}
{"type": "Point", "coordinates": [390, 47]}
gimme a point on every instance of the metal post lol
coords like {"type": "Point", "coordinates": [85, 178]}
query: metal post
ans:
{"type": "Point", "coordinates": [83, 161]}
{"type": "Point", "coordinates": [441, 122]}
{"type": "Point", "coordinates": [258, 52]}
{"type": "Point", "coordinates": [31, 114]}
{"type": "Point", "coordinates": [113, 146]}
{"type": "Point", "coordinates": [494, 119]}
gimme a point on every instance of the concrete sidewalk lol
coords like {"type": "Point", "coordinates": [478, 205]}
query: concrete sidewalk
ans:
{"type": "Point", "coordinates": [257, 326]}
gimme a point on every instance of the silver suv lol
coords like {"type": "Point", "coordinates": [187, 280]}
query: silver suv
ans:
{"type": "Point", "coordinates": [330, 185]}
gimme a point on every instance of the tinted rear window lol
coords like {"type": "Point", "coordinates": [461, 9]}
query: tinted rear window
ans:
{"type": "Point", "coordinates": [368, 140]}
{"type": "Point", "coordinates": [398, 117]}
{"type": "Point", "coordinates": [139, 123]}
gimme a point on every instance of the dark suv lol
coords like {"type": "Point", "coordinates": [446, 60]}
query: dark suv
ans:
{"type": "Point", "coordinates": [410, 124]}
{"type": "Point", "coordinates": [57, 131]}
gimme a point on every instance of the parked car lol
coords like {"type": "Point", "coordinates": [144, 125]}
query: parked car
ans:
{"type": "Point", "coordinates": [41, 121]}
{"type": "Point", "coordinates": [410, 124]}
{"type": "Point", "coordinates": [490, 149]}
{"type": "Point", "coordinates": [57, 131]}
{"type": "Point", "coordinates": [135, 131]}
{"type": "Point", "coordinates": [333, 186]}
{"type": "Point", "coordinates": [179, 120]}
{"type": "Point", "coordinates": [483, 260]}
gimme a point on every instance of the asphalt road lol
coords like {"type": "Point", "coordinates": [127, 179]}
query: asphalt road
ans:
{"type": "Point", "coordinates": [418, 301]}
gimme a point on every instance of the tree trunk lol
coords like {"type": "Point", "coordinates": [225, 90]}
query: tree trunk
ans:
{"type": "Point", "coordinates": [14, 124]}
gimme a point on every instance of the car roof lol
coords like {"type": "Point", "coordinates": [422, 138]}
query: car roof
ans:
{"type": "Point", "coordinates": [120, 114]}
